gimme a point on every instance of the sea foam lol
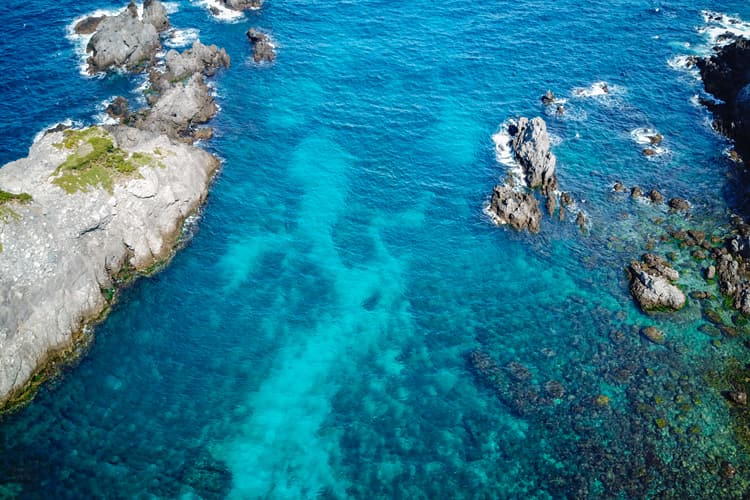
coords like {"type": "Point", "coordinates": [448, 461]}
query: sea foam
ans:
{"type": "Point", "coordinates": [218, 11]}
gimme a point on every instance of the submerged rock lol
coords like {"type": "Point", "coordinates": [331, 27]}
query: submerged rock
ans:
{"type": "Point", "coordinates": [263, 49]}
{"type": "Point", "coordinates": [653, 334]}
{"type": "Point", "coordinates": [518, 209]}
{"type": "Point", "coordinates": [651, 284]}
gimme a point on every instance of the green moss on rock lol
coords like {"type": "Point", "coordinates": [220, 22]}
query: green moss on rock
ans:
{"type": "Point", "coordinates": [95, 161]}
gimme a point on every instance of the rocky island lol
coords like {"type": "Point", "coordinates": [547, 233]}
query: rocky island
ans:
{"type": "Point", "coordinates": [89, 209]}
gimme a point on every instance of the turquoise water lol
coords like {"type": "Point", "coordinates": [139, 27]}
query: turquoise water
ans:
{"type": "Point", "coordinates": [313, 337]}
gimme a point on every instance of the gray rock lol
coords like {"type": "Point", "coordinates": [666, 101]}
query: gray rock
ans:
{"type": "Point", "coordinates": [262, 47]}
{"type": "Point", "coordinates": [179, 108]}
{"type": "Point", "coordinates": [65, 249]}
{"type": "Point", "coordinates": [205, 59]}
{"type": "Point", "coordinates": [122, 41]}
{"type": "Point", "coordinates": [651, 287]}
{"type": "Point", "coordinates": [518, 209]}
{"type": "Point", "coordinates": [89, 25]}
{"type": "Point", "coordinates": [531, 147]}
{"type": "Point", "coordinates": [155, 14]}
{"type": "Point", "coordinates": [242, 4]}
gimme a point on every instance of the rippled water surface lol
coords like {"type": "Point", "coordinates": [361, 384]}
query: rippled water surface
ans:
{"type": "Point", "coordinates": [314, 337]}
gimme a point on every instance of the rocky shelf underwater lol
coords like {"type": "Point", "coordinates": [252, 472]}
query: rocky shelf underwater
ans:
{"type": "Point", "coordinates": [357, 312]}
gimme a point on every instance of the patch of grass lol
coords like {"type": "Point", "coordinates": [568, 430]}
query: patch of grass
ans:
{"type": "Point", "coordinates": [95, 161]}
{"type": "Point", "coordinates": [7, 213]}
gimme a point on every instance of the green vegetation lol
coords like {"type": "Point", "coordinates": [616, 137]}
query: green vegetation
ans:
{"type": "Point", "coordinates": [7, 213]}
{"type": "Point", "coordinates": [95, 161]}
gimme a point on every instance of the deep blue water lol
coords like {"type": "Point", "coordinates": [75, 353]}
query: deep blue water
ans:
{"type": "Point", "coordinates": [313, 337]}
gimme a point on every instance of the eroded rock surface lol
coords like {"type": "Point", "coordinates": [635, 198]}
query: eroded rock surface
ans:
{"type": "Point", "coordinates": [651, 284]}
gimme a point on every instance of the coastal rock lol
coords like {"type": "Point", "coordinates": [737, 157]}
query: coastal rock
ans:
{"type": "Point", "coordinates": [531, 148]}
{"type": "Point", "coordinates": [263, 49]}
{"type": "Point", "coordinates": [651, 284]}
{"type": "Point", "coordinates": [548, 98]}
{"type": "Point", "coordinates": [205, 59]}
{"type": "Point", "coordinates": [618, 187]}
{"type": "Point", "coordinates": [655, 196]}
{"type": "Point", "coordinates": [241, 5]}
{"type": "Point", "coordinates": [679, 204]}
{"type": "Point", "coordinates": [518, 209]}
{"type": "Point", "coordinates": [122, 41]}
{"type": "Point", "coordinates": [65, 248]}
{"type": "Point", "coordinates": [155, 14]}
{"type": "Point", "coordinates": [636, 192]}
{"type": "Point", "coordinates": [118, 109]}
{"type": "Point", "coordinates": [179, 108]}
{"type": "Point", "coordinates": [88, 25]}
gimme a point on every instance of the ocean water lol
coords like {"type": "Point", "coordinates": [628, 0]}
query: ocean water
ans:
{"type": "Point", "coordinates": [314, 336]}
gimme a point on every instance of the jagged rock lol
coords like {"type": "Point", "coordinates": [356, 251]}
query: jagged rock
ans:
{"type": "Point", "coordinates": [531, 148]}
{"type": "Point", "coordinates": [548, 98]}
{"type": "Point", "coordinates": [726, 76]}
{"type": "Point", "coordinates": [728, 271]}
{"type": "Point", "coordinates": [263, 49]}
{"type": "Point", "coordinates": [650, 284]}
{"type": "Point", "coordinates": [679, 204]}
{"type": "Point", "coordinates": [518, 209]}
{"type": "Point", "coordinates": [180, 107]}
{"type": "Point", "coordinates": [118, 109]}
{"type": "Point", "coordinates": [205, 59]}
{"type": "Point", "coordinates": [122, 41]}
{"type": "Point", "coordinates": [155, 14]}
{"type": "Point", "coordinates": [655, 196]}
{"type": "Point", "coordinates": [89, 25]}
{"type": "Point", "coordinates": [242, 4]}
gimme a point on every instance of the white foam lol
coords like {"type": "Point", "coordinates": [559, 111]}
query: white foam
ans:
{"type": "Point", "coordinates": [718, 24]}
{"type": "Point", "coordinates": [176, 38]}
{"type": "Point", "coordinates": [597, 89]}
{"type": "Point", "coordinates": [642, 136]}
{"type": "Point", "coordinates": [102, 117]}
{"type": "Point", "coordinates": [504, 153]}
{"type": "Point", "coordinates": [68, 123]}
{"type": "Point", "coordinates": [219, 11]}
{"type": "Point", "coordinates": [171, 7]}
{"type": "Point", "coordinates": [681, 62]}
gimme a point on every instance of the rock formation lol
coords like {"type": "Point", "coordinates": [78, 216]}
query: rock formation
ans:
{"type": "Point", "coordinates": [124, 41]}
{"type": "Point", "coordinates": [517, 206]}
{"type": "Point", "coordinates": [263, 49]}
{"type": "Point", "coordinates": [518, 209]}
{"type": "Point", "coordinates": [241, 5]}
{"type": "Point", "coordinates": [61, 253]}
{"type": "Point", "coordinates": [87, 209]}
{"type": "Point", "coordinates": [651, 284]}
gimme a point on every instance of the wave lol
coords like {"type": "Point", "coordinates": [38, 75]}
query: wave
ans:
{"type": "Point", "coordinates": [177, 38]}
{"type": "Point", "coordinates": [218, 11]}
{"type": "Point", "coordinates": [102, 117]}
{"type": "Point", "coordinates": [504, 153]}
{"type": "Point", "coordinates": [172, 7]}
{"type": "Point", "coordinates": [651, 138]}
{"type": "Point", "coordinates": [719, 25]}
{"type": "Point", "coordinates": [597, 89]}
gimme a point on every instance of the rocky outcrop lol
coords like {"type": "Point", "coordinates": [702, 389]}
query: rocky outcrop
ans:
{"type": "Point", "coordinates": [517, 206]}
{"type": "Point", "coordinates": [180, 108]}
{"type": "Point", "coordinates": [263, 49]}
{"type": "Point", "coordinates": [531, 148]}
{"type": "Point", "coordinates": [123, 41]}
{"type": "Point", "coordinates": [520, 210]}
{"type": "Point", "coordinates": [155, 14]}
{"type": "Point", "coordinates": [62, 252]}
{"type": "Point", "coordinates": [726, 76]}
{"type": "Point", "coordinates": [204, 59]}
{"type": "Point", "coordinates": [241, 5]}
{"type": "Point", "coordinates": [651, 284]}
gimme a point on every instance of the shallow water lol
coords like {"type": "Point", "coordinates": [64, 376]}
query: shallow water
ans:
{"type": "Point", "coordinates": [313, 337]}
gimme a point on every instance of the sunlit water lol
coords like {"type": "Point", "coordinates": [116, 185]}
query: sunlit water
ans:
{"type": "Point", "coordinates": [313, 338]}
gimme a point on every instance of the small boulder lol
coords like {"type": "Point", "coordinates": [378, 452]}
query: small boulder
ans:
{"type": "Point", "coordinates": [737, 397]}
{"type": "Point", "coordinates": [548, 98]}
{"type": "Point", "coordinates": [679, 204]}
{"type": "Point", "coordinates": [655, 196]}
{"type": "Point", "coordinates": [651, 284]}
{"type": "Point", "coordinates": [636, 192]}
{"type": "Point", "coordinates": [118, 109]}
{"type": "Point", "coordinates": [618, 187]}
{"type": "Point", "coordinates": [654, 335]}
{"type": "Point", "coordinates": [263, 49]}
